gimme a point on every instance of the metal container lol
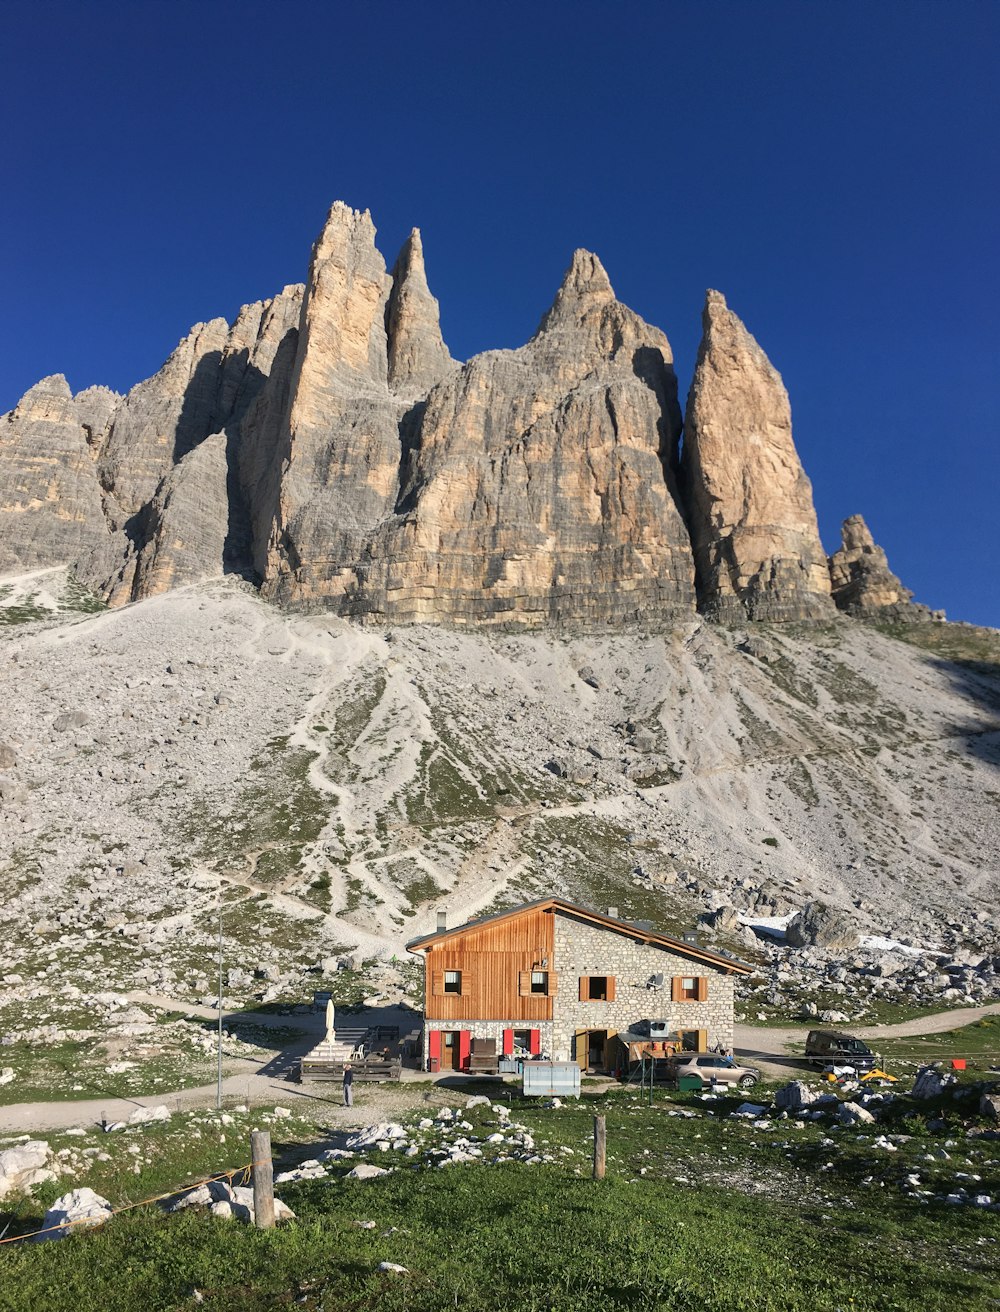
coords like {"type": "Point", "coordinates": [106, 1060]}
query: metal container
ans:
{"type": "Point", "coordinates": [550, 1079]}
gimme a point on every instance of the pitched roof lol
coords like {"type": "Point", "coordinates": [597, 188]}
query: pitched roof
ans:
{"type": "Point", "coordinates": [677, 945]}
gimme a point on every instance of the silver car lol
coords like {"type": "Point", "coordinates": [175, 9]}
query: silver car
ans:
{"type": "Point", "coordinates": [712, 1068]}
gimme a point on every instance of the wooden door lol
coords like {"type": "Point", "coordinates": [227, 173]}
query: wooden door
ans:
{"type": "Point", "coordinates": [581, 1042]}
{"type": "Point", "coordinates": [451, 1059]}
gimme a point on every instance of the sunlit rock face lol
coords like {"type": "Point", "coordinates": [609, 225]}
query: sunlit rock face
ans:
{"type": "Point", "coordinates": [50, 494]}
{"type": "Point", "coordinates": [862, 582]}
{"type": "Point", "coordinates": [326, 445]}
{"type": "Point", "coordinates": [756, 542]}
{"type": "Point", "coordinates": [541, 485]}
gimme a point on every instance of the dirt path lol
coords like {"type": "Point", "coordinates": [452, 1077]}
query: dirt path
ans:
{"type": "Point", "coordinates": [256, 1081]}
{"type": "Point", "coordinates": [768, 1048]}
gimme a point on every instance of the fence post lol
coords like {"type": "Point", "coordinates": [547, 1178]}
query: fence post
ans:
{"type": "Point", "coordinates": [600, 1147]}
{"type": "Point", "coordinates": [263, 1179]}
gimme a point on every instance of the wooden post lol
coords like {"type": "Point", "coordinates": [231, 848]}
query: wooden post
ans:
{"type": "Point", "coordinates": [263, 1179]}
{"type": "Point", "coordinates": [600, 1147]}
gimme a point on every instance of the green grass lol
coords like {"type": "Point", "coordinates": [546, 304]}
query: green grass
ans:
{"type": "Point", "coordinates": [979, 1042]}
{"type": "Point", "coordinates": [699, 1215]}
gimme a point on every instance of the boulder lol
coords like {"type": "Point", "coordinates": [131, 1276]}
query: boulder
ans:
{"type": "Point", "coordinates": [989, 1105]}
{"type": "Point", "coordinates": [366, 1171]}
{"type": "Point", "coordinates": [850, 1113]}
{"type": "Point", "coordinates": [931, 1082]}
{"type": "Point", "coordinates": [794, 1096]}
{"type": "Point", "coordinates": [24, 1165]}
{"type": "Point", "coordinates": [821, 925]}
{"type": "Point", "coordinates": [78, 1208]}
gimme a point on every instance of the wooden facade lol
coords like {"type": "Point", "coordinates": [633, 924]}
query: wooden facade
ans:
{"type": "Point", "coordinates": [495, 961]}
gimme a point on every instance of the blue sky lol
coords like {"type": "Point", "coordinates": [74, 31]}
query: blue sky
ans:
{"type": "Point", "coordinates": [832, 168]}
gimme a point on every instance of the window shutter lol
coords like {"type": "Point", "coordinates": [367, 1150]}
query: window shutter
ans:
{"type": "Point", "coordinates": [534, 1042]}
{"type": "Point", "coordinates": [611, 988]}
{"type": "Point", "coordinates": [508, 1043]}
{"type": "Point", "coordinates": [584, 988]}
{"type": "Point", "coordinates": [677, 988]}
{"type": "Point", "coordinates": [463, 983]}
{"type": "Point", "coordinates": [553, 983]}
{"type": "Point", "coordinates": [437, 983]}
{"type": "Point", "coordinates": [434, 1044]}
{"type": "Point", "coordinates": [524, 983]}
{"type": "Point", "coordinates": [702, 988]}
{"type": "Point", "coordinates": [703, 1040]}
{"type": "Point", "coordinates": [464, 1048]}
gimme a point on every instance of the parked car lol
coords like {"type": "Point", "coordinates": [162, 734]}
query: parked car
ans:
{"type": "Point", "coordinates": [709, 1067]}
{"type": "Point", "coordinates": [831, 1048]}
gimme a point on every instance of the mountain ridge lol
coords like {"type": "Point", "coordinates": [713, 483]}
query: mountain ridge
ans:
{"type": "Point", "coordinates": [358, 468]}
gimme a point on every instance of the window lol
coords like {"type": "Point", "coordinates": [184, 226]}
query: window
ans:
{"type": "Point", "coordinates": [537, 983]}
{"type": "Point", "coordinates": [690, 988]}
{"type": "Point", "coordinates": [453, 981]}
{"type": "Point", "coordinates": [597, 988]}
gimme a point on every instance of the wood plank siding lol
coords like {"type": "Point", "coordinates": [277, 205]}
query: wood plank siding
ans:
{"type": "Point", "coordinates": [493, 958]}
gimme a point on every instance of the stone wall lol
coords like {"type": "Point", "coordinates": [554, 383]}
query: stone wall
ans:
{"type": "Point", "coordinates": [584, 949]}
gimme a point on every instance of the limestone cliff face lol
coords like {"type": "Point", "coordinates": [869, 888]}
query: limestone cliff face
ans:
{"type": "Point", "coordinates": [327, 444]}
{"type": "Point", "coordinates": [862, 582]}
{"type": "Point", "coordinates": [338, 444]}
{"type": "Point", "coordinates": [50, 496]}
{"type": "Point", "coordinates": [543, 481]}
{"type": "Point", "coordinates": [209, 380]}
{"type": "Point", "coordinates": [750, 510]}
{"type": "Point", "coordinates": [186, 537]}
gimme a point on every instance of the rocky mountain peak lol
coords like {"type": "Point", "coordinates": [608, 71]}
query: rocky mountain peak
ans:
{"type": "Point", "coordinates": [750, 509]}
{"type": "Point", "coordinates": [862, 582]}
{"type": "Point", "coordinates": [584, 292]}
{"type": "Point", "coordinates": [418, 357]}
{"type": "Point", "coordinates": [326, 443]}
{"type": "Point", "coordinates": [47, 397]}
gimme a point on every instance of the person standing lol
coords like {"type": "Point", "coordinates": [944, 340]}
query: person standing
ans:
{"type": "Point", "coordinates": [348, 1086]}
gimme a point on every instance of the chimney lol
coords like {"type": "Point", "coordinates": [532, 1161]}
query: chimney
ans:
{"type": "Point", "coordinates": [442, 921]}
{"type": "Point", "coordinates": [612, 913]}
{"type": "Point", "coordinates": [691, 936]}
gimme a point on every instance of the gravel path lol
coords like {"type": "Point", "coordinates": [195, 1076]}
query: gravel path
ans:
{"type": "Point", "coordinates": [768, 1048]}
{"type": "Point", "coordinates": [266, 1083]}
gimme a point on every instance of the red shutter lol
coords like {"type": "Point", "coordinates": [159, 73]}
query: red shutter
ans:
{"type": "Point", "coordinates": [434, 1044]}
{"type": "Point", "coordinates": [464, 1048]}
{"type": "Point", "coordinates": [508, 1043]}
{"type": "Point", "coordinates": [534, 1042]}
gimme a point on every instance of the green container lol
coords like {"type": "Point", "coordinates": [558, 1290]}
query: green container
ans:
{"type": "Point", "coordinates": [689, 1084]}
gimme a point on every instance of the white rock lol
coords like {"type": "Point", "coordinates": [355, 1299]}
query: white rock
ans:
{"type": "Point", "coordinates": [393, 1268]}
{"type": "Point", "coordinates": [78, 1208]}
{"type": "Point", "coordinates": [142, 1115]}
{"type": "Point", "coordinates": [366, 1171]}
{"type": "Point", "coordinates": [24, 1165]}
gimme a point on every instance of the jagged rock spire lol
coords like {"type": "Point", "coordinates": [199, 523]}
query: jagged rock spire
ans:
{"type": "Point", "coordinates": [862, 582]}
{"type": "Point", "coordinates": [585, 288]}
{"type": "Point", "coordinates": [750, 510]}
{"type": "Point", "coordinates": [418, 357]}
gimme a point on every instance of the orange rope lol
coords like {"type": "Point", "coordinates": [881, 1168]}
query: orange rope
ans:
{"type": "Point", "coordinates": [115, 1211]}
